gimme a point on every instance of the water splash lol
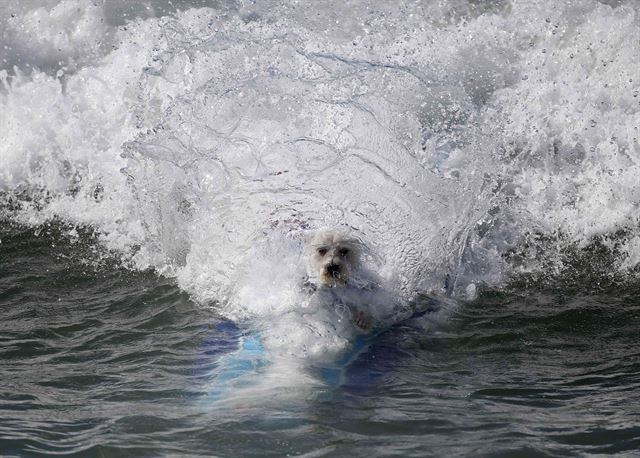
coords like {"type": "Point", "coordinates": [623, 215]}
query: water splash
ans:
{"type": "Point", "coordinates": [445, 135]}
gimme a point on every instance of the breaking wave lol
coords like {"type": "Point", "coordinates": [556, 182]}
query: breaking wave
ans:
{"type": "Point", "coordinates": [466, 144]}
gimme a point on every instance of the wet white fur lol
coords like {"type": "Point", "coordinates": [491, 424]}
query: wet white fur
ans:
{"type": "Point", "coordinates": [326, 248]}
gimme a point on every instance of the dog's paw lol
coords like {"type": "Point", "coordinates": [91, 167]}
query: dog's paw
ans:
{"type": "Point", "coordinates": [362, 320]}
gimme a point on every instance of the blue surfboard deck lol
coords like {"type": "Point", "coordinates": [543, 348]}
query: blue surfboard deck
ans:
{"type": "Point", "coordinates": [238, 355]}
{"type": "Point", "coordinates": [373, 356]}
{"type": "Point", "coordinates": [358, 369]}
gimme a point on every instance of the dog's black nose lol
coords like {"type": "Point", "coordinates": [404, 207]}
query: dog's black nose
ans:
{"type": "Point", "coordinates": [333, 269]}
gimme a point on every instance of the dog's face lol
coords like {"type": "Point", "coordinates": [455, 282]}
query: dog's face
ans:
{"type": "Point", "coordinates": [332, 257]}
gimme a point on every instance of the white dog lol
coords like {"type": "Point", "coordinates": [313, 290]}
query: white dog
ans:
{"type": "Point", "coordinates": [332, 257]}
{"type": "Point", "coordinates": [332, 261]}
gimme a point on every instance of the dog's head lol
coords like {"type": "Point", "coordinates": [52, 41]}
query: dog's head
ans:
{"type": "Point", "coordinates": [331, 257]}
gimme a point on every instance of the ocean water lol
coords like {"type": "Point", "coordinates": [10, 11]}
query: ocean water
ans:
{"type": "Point", "coordinates": [162, 162]}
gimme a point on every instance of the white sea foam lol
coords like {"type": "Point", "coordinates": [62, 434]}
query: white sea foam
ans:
{"type": "Point", "coordinates": [201, 144]}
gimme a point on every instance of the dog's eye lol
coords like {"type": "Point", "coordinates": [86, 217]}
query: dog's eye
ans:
{"type": "Point", "coordinates": [343, 252]}
{"type": "Point", "coordinates": [322, 251]}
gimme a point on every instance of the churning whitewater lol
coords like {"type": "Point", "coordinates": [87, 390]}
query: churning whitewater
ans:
{"type": "Point", "coordinates": [462, 143]}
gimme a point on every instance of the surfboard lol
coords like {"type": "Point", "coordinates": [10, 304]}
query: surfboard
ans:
{"type": "Point", "coordinates": [358, 369]}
